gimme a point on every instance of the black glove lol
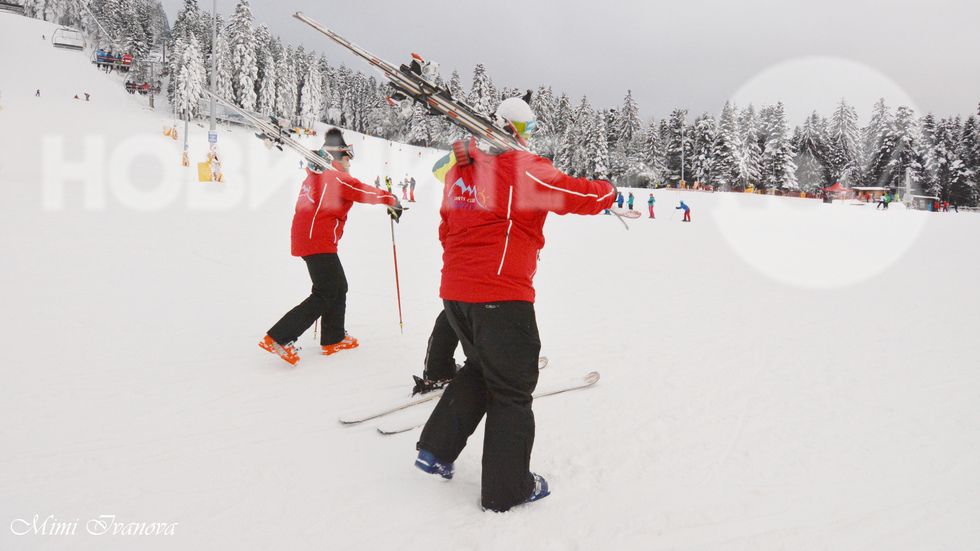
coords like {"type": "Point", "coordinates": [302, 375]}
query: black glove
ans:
{"type": "Point", "coordinates": [396, 211]}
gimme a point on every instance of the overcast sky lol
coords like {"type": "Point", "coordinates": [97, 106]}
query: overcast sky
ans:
{"type": "Point", "coordinates": [691, 54]}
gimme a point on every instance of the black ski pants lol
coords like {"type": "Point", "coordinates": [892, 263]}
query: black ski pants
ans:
{"type": "Point", "coordinates": [327, 301]}
{"type": "Point", "coordinates": [440, 362]}
{"type": "Point", "coordinates": [501, 343]}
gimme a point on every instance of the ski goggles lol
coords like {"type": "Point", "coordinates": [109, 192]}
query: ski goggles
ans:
{"type": "Point", "coordinates": [523, 129]}
{"type": "Point", "coordinates": [346, 150]}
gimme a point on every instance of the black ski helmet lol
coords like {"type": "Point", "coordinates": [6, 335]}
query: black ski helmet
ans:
{"type": "Point", "coordinates": [333, 143]}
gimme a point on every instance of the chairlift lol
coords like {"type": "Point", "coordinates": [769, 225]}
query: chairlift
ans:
{"type": "Point", "coordinates": [11, 6]}
{"type": "Point", "coordinates": [69, 39]}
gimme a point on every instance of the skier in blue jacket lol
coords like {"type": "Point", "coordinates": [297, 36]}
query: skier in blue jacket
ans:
{"type": "Point", "coordinates": [687, 211]}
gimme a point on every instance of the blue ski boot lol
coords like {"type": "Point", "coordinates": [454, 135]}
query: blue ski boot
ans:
{"type": "Point", "coordinates": [428, 463]}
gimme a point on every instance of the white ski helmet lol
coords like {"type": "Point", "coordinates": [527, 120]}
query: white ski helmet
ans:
{"type": "Point", "coordinates": [516, 113]}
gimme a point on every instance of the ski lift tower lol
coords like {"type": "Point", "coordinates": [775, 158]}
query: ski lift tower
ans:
{"type": "Point", "coordinates": [213, 133]}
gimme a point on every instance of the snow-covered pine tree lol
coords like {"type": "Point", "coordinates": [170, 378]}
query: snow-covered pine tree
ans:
{"type": "Point", "coordinates": [617, 158]}
{"type": "Point", "coordinates": [185, 25]}
{"type": "Point", "coordinates": [242, 44]}
{"type": "Point", "coordinates": [286, 86]}
{"type": "Point", "coordinates": [266, 64]}
{"type": "Point", "coordinates": [190, 79]}
{"type": "Point", "coordinates": [571, 158]}
{"type": "Point", "coordinates": [456, 89]}
{"type": "Point", "coordinates": [544, 141]}
{"type": "Point", "coordinates": [810, 143]}
{"type": "Point", "coordinates": [907, 161]}
{"type": "Point", "coordinates": [751, 165]}
{"type": "Point", "coordinates": [897, 153]}
{"type": "Point", "coordinates": [597, 150]}
{"type": "Point", "coordinates": [653, 155]}
{"type": "Point", "coordinates": [418, 128]}
{"type": "Point", "coordinates": [948, 167]}
{"type": "Point", "coordinates": [872, 137]}
{"type": "Point", "coordinates": [843, 143]}
{"type": "Point", "coordinates": [311, 96]}
{"type": "Point", "coordinates": [483, 95]}
{"type": "Point", "coordinates": [223, 82]}
{"type": "Point", "coordinates": [677, 146]}
{"type": "Point", "coordinates": [629, 131]}
{"type": "Point", "coordinates": [778, 168]}
{"type": "Point", "coordinates": [965, 188]}
{"type": "Point", "coordinates": [970, 154]}
{"type": "Point", "coordinates": [703, 149]}
{"type": "Point", "coordinates": [927, 133]}
{"type": "Point", "coordinates": [728, 148]}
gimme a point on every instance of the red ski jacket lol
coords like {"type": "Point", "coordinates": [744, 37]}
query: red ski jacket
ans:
{"type": "Point", "coordinates": [493, 212]}
{"type": "Point", "coordinates": [321, 209]}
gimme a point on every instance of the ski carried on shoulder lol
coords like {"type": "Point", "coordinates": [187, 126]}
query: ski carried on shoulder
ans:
{"type": "Point", "coordinates": [274, 134]}
{"type": "Point", "coordinates": [360, 416]}
{"type": "Point", "coordinates": [557, 387]}
{"type": "Point", "coordinates": [418, 82]}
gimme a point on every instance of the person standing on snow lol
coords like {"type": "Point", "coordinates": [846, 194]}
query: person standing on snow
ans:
{"type": "Point", "coordinates": [493, 211]}
{"type": "Point", "coordinates": [318, 225]}
{"type": "Point", "coordinates": [650, 203]}
{"type": "Point", "coordinates": [411, 187]}
{"type": "Point", "coordinates": [630, 202]}
{"type": "Point", "coordinates": [687, 212]}
{"type": "Point", "coordinates": [619, 200]}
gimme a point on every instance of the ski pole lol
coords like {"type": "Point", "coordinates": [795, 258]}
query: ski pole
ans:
{"type": "Point", "coordinates": [672, 215]}
{"type": "Point", "coordinates": [398, 291]}
{"type": "Point", "coordinates": [394, 254]}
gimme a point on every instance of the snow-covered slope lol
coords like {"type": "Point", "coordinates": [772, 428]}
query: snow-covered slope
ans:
{"type": "Point", "coordinates": [778, 374]}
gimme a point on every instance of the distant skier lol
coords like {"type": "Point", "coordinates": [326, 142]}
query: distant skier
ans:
{"type": "Point", "coordinates": [687, 212]}
{"type": "Point", "coordinates": [86, 96]}
{"type": "Point", "coordinates": [650, 203]}
{"type": "Point", "coordinates": [619, 200]}
{"type": "Point", "coordinates": [630, 202]}
{"type": "Point", "coordinates": [318, 224]}
{"type": "Point", "coordinates": [37, 94]}
{"type": "Point", "coordinates": [411, 188]}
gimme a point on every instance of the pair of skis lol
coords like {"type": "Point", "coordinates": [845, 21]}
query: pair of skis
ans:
{"type": "Point", "coordinates": [418, 83]}
{"type": "Point", "coordinates": [397, 426]}
{"type": "Point", "coordinates": [274, 134]}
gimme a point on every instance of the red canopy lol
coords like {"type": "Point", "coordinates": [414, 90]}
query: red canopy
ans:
{"type": "Point", "coordinates": [836, 187]}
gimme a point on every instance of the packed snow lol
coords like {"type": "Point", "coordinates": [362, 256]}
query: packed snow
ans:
{"type": "Point", "coordinates": [780, 373]}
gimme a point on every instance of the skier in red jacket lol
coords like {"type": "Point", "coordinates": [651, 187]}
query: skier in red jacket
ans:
{"type": "Point", "coordinates": [318, 225]}
{"type": "Point", "coordinates": [493, 211]}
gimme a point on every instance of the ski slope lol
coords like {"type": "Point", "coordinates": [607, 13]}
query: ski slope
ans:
{"type": "Point", "coordinates": [777, 374]}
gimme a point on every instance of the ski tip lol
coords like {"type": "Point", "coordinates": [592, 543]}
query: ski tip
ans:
{"type": "Point", "coordinates": [542, 362]}
{"type": "Point", "coordinates": [592, 378]}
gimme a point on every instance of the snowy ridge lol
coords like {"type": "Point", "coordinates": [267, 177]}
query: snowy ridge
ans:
{"type": "Point", "coordinates": [777, 374]}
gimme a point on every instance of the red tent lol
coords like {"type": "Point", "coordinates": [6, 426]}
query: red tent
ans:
{"type": "Point", "coordinates": [836, 187]}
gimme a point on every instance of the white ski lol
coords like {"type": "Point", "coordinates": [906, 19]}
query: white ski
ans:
{"type": "Point", "coordinates": [398, 426]}
{"type": "Point", "coordinates": [374, 412]}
